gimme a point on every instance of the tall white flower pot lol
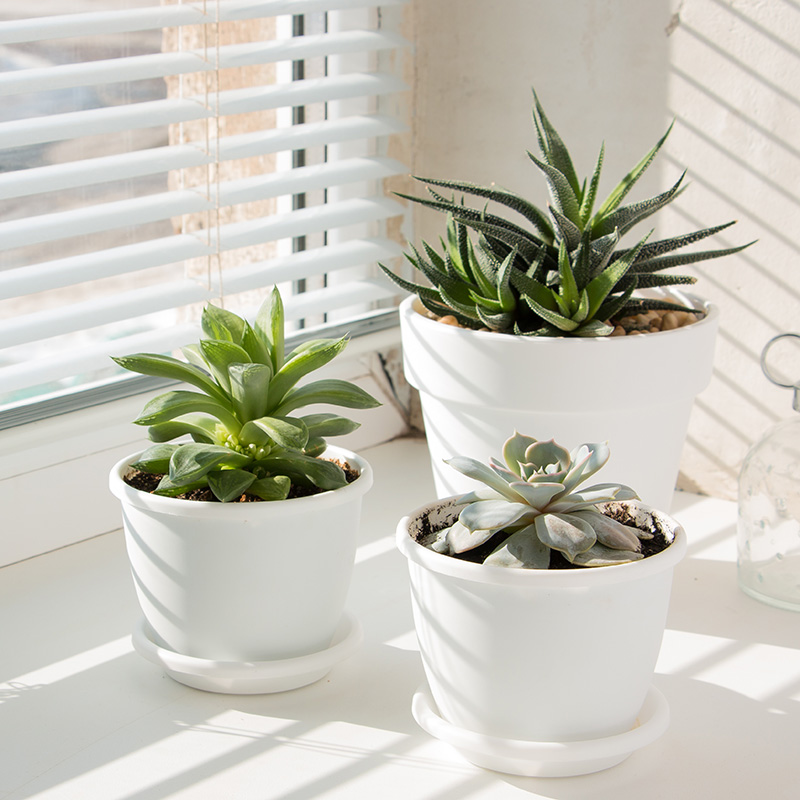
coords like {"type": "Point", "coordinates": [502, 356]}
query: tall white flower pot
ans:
{"type": "Point", "coordinates": [243, 582]}
{"type": "Point", "coordinates": [636, 392]}
{"type": "Point", "coordinates": [548, 659]}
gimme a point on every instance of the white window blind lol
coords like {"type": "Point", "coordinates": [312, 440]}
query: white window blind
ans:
{"type": "Point", "coordinates": [157, 157]}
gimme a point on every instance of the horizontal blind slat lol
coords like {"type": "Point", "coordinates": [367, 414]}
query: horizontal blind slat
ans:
{"type": "Point", "coordinates": [99, 264]}
{"type": "Point", "coordinates": [163, 65]}
{"type": "Point", "coordinates": [102, 217]}
{"type": "Point", "coordinates": [170, 205]}
{"type": "Point", "coordinates": [305, 221]}
{"type": "Point", "coordinates": [156, 113]}
{"type": "Point", "coordinates": [307, 179]}
{"type": "Point", "coordinates": [64, 26]}
{"type": "Point", "coordinates": [134, 303]}
{"type": "Point", "coordinates": [171, 250]}
{"type": "Point", "coordinates": [101, 311]}
{"type": "Point", "coordinates": [93, 171]}
{"type": "Point", "coordinates": [307, 264]}
{"type": "Point", "coordinates": [158, 160]}
{"type": "Point", "coordinates": [55, 366]}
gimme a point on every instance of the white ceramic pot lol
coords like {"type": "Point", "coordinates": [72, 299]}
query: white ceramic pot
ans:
{"type": "Point", "coordinates": [242, 582]}
{"type": "Point", "coordinates": [636, 392]}
{"type": "Point", "coordinates": [538, 655]}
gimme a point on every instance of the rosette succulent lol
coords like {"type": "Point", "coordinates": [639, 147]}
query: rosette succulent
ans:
{"type": "Point", "coordinates": [533, 505]}
{"type": "Point", "coordinates": [559, 272]}
{"type": "Point", "coordinates": [245, 436]}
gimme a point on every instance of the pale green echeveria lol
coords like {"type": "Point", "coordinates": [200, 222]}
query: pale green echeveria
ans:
{"type": "Point", "coordinates": [245, 436]}
{"type": "Point", "coordinates": [536, 497]}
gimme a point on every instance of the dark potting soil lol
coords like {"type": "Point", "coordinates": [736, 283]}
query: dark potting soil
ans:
{"type": "Point", "coordinates": [148, 482]}
{"type": "Point", "coordinates": [621, 514]}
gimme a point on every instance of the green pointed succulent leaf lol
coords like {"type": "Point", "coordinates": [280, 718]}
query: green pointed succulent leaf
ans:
{"type": "Point", "coordinates": [331, 391]}
{"type": "Point", "coordinates": [409, 286]}
{"type": "Point", "coordinates": [681, 260]}
{"type": "Point", "coordinates": [589, 197]}
{"type": "Point", "coordinates": [561, 192]}
{"type": "Point", "coordinates": [168, 406]}
{"type": "Point", "coordinates": [315, 446]}
{"type": "Point", "coordinates": [220, 355]}
{"type": "Point", "coordinates": [286, 432]}
{"type": "Point", "coordinates": [155, 459]}
{"type": "Point", "coordinates": [160, 366]}
{"type": "Point", "coordinates": [167, 488]}
{"type": "Point", "coordinates": [613, 305]}
{"type": "Point", "coordinates": [499, 323]}
{"type": "Point", "coordinates": [559, 321]}
{"type": "Point", "coordinates": [198, 426]}
{"type": "Point", "coordinates": [269, 327]}
{"type": "Point", "coordinates": [532, 290]}
{"type": "Point", "coordinates": [302, 364]}
{"type": "Point", "coordinates": [442, 310]}
{"type": "Point", "coordinates": [600, 287]}
{"type": "Point", "coordinates": [275, 487]}
{"type": "Point", "coordinates": [552, 146]}
{"type": "Point", "coordinates": [569, 233]}
{"type": "Point", "coordinates": [593, 328]}
{"type": "Point", "coordinates": [329, 425]}
{"type": "Point", "coordinates": [217, 323]}
{"type": "Point", "coordinates": [516, 203]}
{"type": "Point", "coordinates": [568, 286]}
{"type": "Point", "coordinates": [250, 389]}
{"type": "Point", "coordinates": [191, 462]}
{"type": "Point", "coordinates": [229, 484]}
{"type": "Point", "coordinates": [256, 347]}
{"type": "Point", "coordinates": [626, 217]}
{"type": "Point", "coordinates": [627, 183]}
{"type": "Point", "coordinates": [307, 471]}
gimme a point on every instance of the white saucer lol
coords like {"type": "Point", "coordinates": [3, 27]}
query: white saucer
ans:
{"type": "Point", "coordinates": [253, 677]}
{"type": "Point", "coordinates": [544, 759]}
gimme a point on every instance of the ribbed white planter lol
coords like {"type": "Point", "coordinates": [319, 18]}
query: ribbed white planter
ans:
{"type": "Point", "coordinates": [636, 392]}
{"type": "Point", "coordinates": [243, 582]}
{"type": "Point", "coordinates": [540, 656]}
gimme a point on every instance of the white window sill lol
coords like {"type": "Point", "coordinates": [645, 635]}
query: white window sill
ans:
{"type": "Point", "coordinates": [84, 717]}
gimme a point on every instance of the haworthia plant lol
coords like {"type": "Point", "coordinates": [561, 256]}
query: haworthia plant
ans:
{"type": "Point", "coordinates": [244, 436]}
{"type": "Point", "coordinates": [559, 272]}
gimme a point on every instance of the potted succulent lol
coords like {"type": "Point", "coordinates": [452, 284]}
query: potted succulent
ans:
{"type": "Point", "coordinates": [539, 607]}
{"type": "Point", "coordinates": [552, 295]}
{"type": "Point", "coordinates": [241, 540]}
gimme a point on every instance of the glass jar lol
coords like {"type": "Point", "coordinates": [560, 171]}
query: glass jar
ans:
{"type": "Point", "coordinates": [769, 509]}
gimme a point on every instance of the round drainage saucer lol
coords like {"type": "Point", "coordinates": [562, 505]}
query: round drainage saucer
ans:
{"type": "Point", "coordinates": [250, 677]}
{"type": "Point", "coordinates": [544, 759]}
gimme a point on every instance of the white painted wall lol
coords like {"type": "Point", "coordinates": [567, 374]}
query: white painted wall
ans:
{"type": "Point", "coordinates": [619, 71]}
